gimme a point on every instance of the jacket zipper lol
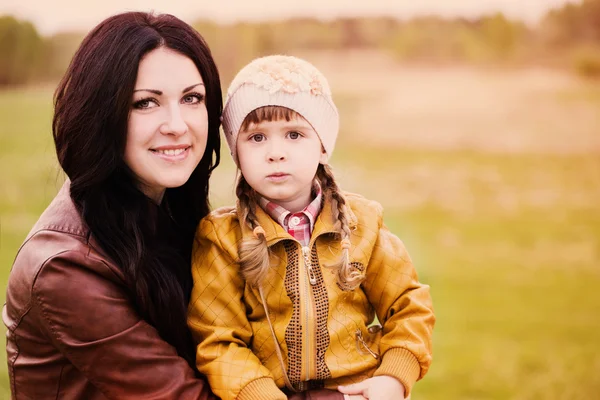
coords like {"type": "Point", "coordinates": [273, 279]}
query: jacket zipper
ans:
{"type": "Point", "coordinates": [309, 281]}
{"type": "Point", "coordinates": [312, 279]}
{"type": "Point", "coordinates": [308, 296]}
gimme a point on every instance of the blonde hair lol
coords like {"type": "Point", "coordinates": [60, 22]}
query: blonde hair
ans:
{"type": "Point", "coordinates": [254, 252]}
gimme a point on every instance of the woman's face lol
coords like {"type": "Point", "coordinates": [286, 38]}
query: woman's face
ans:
{"type": "Point", "coordinates": [167, 128]}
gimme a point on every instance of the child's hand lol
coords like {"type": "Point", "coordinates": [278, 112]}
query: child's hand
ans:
{"type": "Point", "coordinates": [376, 388]}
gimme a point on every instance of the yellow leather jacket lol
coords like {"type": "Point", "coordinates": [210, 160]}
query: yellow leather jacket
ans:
{"type": "Point", "coordinates": [322, 330]}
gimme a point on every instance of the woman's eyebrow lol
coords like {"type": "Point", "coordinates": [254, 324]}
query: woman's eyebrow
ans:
{"type": "Point", "coordinates": [159, 92]}
{"type": "Point", "coordinates": [156, 92]}
{"type": "Point", "coordinates": [187, 89]}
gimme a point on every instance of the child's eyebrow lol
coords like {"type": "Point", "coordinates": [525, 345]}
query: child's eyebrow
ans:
{"type": "Point", "coordinates": [288, 125]}
{"type": "Point", "coordinates": [250, 128]}
{"type": "Point", "coordinates": [296, 124]}
{"type": "Point", "coordinates": [299, 126]}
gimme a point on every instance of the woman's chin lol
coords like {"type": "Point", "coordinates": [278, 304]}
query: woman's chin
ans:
{"type": "Point", "coordinates": [176, 182]}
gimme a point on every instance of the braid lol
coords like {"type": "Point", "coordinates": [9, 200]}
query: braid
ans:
{"type": "Point", "coordinates": [254, 252]}
{"type": "Point", "coordinates": [349, 277]}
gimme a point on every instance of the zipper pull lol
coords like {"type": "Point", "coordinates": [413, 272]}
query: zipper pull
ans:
{"type": "Point", "coordinates": [311, 275]}
{"type": "Point", "coordinates": [360, 341]}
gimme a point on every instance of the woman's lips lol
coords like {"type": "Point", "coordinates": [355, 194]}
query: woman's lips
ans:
{"type": "Point", "coordinates": [175, 153]}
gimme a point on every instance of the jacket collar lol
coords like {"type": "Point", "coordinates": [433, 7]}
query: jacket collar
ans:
{"type": "Point", "coordinates": [274, 232]}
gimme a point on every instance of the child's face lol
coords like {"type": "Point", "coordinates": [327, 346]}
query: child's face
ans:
{"type": "Point", "coordinates": [279, 159]}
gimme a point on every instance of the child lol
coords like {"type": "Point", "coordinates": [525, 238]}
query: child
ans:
{"type": "Point", "coordinates": [287, 283]}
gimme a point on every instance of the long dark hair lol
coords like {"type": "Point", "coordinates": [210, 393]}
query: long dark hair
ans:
{"type": "Point", "coordinates": [150, 243]}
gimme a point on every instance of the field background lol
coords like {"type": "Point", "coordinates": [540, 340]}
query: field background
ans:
{"type": "Point", "coordinates": [481, 138]}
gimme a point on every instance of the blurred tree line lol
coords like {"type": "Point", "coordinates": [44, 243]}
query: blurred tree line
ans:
{"type": "Point", "coordinates": [574, 30]}
{"type": "Point", "coordinates": [565, 35]}
{"type": "Point", "coordinates": [22, 51]}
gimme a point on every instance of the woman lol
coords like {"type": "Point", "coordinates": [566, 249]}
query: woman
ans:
{"type": "Point", "coordinates": [96, 300]}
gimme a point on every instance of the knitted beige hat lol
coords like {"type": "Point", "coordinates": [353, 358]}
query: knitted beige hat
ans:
{"type": "Point", "coordinates": [284, 81]}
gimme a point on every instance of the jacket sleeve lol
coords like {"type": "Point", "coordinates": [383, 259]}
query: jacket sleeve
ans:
{"type": "Point", "coordinates": [85, 311]}
{"type": "Point", "coordinates": [404, 308]}
{"type": "Point", "coordinates": [217, 319]}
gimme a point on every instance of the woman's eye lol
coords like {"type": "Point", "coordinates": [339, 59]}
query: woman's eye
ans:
{"type": "Point", "coordinates": [144, 104]}
{"type": "Point", "coordinates": [193, 98]}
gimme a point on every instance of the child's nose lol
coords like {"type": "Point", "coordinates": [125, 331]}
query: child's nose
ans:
{"type": "Point", "coordinates": [276, 157]}
{"type": "Point", "coordinates": [276, 153]}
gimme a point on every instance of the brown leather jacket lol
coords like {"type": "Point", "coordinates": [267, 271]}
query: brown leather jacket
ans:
{"type": "Point", "coordinates": [72, 332]}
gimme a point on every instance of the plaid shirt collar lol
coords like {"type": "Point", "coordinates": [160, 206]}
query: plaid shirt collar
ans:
{"type": "Point", "coordinates": [299, 225]}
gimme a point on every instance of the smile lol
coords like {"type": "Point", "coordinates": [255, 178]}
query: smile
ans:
{"type": "Point", "coordinates": [172, 154]}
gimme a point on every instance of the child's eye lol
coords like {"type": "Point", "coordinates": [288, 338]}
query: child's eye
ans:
{"type": "Point", "coordinates": [294, 135]}
{"type": "Point", "coordinates": [144, 104]}
{"type": "Point", "coordinates": [257, 137]}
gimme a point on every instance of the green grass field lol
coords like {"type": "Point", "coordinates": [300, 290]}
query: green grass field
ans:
{"type": "Point", "coordinates": [508, 238]}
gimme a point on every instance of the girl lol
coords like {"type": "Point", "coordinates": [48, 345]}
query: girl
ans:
{"type": "Point", "coordinates": [287, 283]}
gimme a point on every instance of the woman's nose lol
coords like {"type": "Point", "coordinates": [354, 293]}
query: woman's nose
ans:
{"type": "Point", "coordinates": [174, 124]}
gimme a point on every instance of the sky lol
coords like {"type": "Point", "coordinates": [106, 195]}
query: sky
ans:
{"type": "Point", "coordinates": [51, 16]}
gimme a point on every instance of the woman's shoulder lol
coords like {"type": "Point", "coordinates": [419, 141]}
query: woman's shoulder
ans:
{"type": "Point", "coordinates": [61, 216]}
{"type": "Point", "coordinates": [59, 229]}
{"type": "Point", "coordinates": [59, 234]}
{"type": "Point", "coordinates": [59, 245]}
